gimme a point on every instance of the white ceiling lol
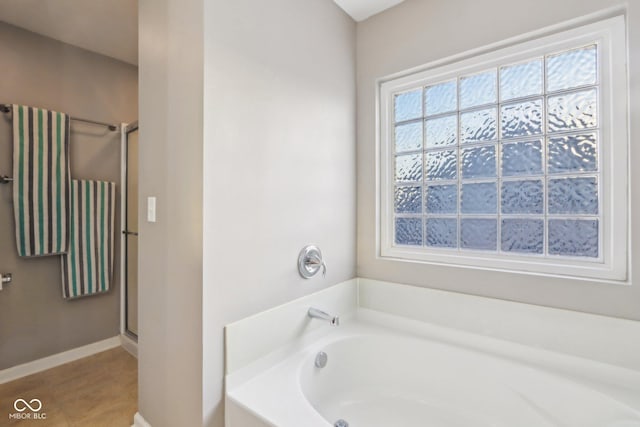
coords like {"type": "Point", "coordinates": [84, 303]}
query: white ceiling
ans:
{"type": "Point", "coordinates": [362, 9]}
{"type": "Point", "coordinates": [109, 27]}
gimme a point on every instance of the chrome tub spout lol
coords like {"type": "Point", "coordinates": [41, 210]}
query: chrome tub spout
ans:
{"type": "Point", "coordinates": [314, 313]}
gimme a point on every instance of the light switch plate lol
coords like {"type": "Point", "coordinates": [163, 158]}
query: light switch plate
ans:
{"type": "Point", "coordinates": [151, 209]}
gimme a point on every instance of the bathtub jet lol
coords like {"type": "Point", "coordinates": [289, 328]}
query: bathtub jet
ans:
{"type": "Point", "coordinates": [314, 313]}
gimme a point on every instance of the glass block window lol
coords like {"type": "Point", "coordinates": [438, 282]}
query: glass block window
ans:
{"type": "Point", "coordinates": [503, 159]}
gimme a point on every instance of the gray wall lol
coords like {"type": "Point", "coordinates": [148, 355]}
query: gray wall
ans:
{"type": "Point", "coordinates": [170, 267]}
{"type": "Point", "coordinates": [34, 319]}
{"type": "Point", "coordinates": [419, 31]}
{"type": "Point", "coordinates": [279, 160]}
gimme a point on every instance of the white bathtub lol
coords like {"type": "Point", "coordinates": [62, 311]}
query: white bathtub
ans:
{"type": "Point", "coordinates": [383, 371]}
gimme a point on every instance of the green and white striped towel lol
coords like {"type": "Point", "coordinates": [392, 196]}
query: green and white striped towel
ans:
{"type": "Point", "coordinates": [40, 180]}
{"type": "Point", "coordinates": [88, 266]}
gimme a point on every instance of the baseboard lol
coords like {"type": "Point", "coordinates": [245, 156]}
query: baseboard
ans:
{"type": "Point", "coordinates": [139, 421]}
{"type": "Point", "coordinates": [129, 344]}
{"type": "Point", "coordinates": [52, 361]}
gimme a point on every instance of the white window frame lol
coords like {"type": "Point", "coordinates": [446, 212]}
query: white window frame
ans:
{"type": "Point", "coordinates": [610, 37]}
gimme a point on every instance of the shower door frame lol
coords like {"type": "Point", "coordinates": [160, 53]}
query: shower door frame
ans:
{"type": "Point", "coordinates": [130, 340]}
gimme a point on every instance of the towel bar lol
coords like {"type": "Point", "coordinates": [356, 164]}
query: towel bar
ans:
{"type": "Point", "coordinates": [6, 108]}
{"type": "Point", "coordinates": [4, 179]}
{"type": "Point", "coordinates": [5, 279]}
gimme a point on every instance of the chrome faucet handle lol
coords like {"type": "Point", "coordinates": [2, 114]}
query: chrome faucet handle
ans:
{"type": "Point", "coordinates": [310, 261]}
{"type": "Point", "coordinates": [316, 262]}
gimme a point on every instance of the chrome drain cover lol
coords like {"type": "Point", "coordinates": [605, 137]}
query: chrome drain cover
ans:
{"type": "Point", "coordinates": [321, 362]}
{"type": "Point", "coordinates": [341, 423]}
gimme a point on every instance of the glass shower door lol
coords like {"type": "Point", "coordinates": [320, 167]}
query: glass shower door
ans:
{"type": "Point", "coordinates": [131, 231]}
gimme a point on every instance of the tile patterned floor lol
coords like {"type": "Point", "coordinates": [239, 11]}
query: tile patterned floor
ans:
{"type": "Point", "coordinates": [99, 390]}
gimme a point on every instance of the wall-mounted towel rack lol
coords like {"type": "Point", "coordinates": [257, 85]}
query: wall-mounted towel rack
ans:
{"type": "Point", "coordinates": [6, 108]}
{"type": "Point", "coordinates": [5, 179]}
{"type": "Point", "coordinates": [5, 279]}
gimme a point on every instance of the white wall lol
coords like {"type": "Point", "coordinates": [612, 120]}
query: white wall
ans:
{"type": "Point", "coordinates": [279, 160]}
{"type": "Point", "coordinates": [170, 263]}
{"type": "Point", "coordinates": [419, 31]}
